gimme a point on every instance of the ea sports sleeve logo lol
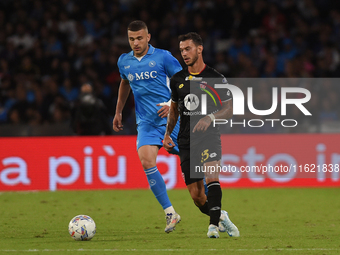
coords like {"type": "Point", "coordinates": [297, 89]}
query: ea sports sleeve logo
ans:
{"type": "Point", "coordinates": [191, 102]}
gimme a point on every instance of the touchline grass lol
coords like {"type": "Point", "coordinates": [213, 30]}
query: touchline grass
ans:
{"type": "Point", "coordinates": [271, 221]}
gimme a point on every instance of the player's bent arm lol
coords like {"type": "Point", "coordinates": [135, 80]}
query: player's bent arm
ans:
{"type": "Point", "coordinates": [226, 112]}
{"type": "Point", "coordinates": [172, 118]}
{"type": "Point", "coordinates": [123, 94]}
{"type": "Point", "coordinates": [168, 144]}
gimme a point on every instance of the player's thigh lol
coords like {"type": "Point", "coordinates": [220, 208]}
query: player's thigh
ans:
{"type": "Point", "coordinates": [148, 134]}
{"type": "Point", "coordinates": [210, 155]}
{"type": "Point", "coordinates": [210, 150]}
{"type": "Point", "coordinates": [188, 167]}
{"type": "Point", "coordinates": [147, 155]}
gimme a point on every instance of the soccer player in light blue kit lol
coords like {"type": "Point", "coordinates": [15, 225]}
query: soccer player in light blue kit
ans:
{"type": "Point", "coordinates": [147, 71]}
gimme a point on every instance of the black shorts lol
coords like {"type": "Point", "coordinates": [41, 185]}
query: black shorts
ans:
{"type": "Point", "coordinates": [197, 155]}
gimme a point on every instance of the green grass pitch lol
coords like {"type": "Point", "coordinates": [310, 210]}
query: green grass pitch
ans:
{"type": "Point", "coordinates": [271, 221]}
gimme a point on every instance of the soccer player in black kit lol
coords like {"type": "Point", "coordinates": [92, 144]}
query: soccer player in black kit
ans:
{"type": "Point", "coordinates": [199, 142]}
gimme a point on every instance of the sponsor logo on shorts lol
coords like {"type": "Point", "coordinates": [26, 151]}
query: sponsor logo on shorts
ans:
{"type": "Point", "coordinates": [205, 155]}
{"type": "Point", "coordinates": [213, 155]}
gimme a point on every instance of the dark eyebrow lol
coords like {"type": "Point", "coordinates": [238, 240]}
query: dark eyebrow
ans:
{"type": "Point", "coordinates": [138, 38]}
{"type": "Point", "coordinates": [186, 48]}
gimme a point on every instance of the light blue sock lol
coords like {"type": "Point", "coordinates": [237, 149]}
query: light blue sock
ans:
{"type": "Point", "coordinates": [157, 186]}
{"type": "Point", "coordinates": [205, 187]}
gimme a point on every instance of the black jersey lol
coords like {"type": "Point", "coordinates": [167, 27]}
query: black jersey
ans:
{"type": "Point", "coordinates": [197, 97]}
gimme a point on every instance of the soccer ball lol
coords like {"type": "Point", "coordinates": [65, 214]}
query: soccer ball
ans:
{"type": "Point", "coordinates": [82, 228]}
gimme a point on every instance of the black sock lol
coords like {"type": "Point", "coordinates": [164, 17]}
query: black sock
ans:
{"type": "Point", "coordinates": [214, 202]}
{"type": "Point", "coordinates": [204, 208]}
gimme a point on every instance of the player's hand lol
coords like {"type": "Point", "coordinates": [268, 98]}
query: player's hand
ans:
{"type": "Point", "coordinates": [117, 122]}
{"type": "Point", "coordinates": [168, 144]}
{"type": "Point", "coordinates": [202, 125]}
{"type": "Point", "coordinates": [164, 111]}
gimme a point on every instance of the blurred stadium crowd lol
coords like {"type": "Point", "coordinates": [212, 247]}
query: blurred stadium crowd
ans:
{"type": "Point", "coordinates": [48, 49]}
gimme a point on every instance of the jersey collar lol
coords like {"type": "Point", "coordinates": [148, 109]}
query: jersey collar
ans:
{"type": "Point", "coordinates": [199, 72]}
{"type": "Point", "coordinates": [150, 51]}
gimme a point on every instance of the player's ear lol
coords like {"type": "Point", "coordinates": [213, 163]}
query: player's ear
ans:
{"type": "Point", "coordinates": [199, 49]}
{"type": "Point", "coordinates": [149, 37]}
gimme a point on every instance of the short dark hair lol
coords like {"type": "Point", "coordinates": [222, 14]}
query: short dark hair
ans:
{"type": "Point", "coordinates": [196, 38]}
{"type": "Point", "coordinates": [137, 25]}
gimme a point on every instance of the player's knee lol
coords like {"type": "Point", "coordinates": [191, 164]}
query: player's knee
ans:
{"type": "Point", "coordinates": [212, 179]}
{"type": "Point", "coordinates": [146, 163]}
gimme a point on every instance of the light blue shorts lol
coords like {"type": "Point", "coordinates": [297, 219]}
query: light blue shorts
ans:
{"type": "Point", "coordinates": [148, 134]}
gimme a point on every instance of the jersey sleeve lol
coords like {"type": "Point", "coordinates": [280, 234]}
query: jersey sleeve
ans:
{"type": "Point", "coordinates": [171, 64]}
{"type": "Point", "coordinates": [224, 94]}
{"type": "Point", "coordinates": [120, 67]}
{"type": "Point", "coordinates": [174, 94]}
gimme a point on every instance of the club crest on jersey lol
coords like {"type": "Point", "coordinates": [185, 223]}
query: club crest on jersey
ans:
{"type": "Point", "coordinates": [193, 78]}
{"type": "Point", "coordinates": [130, 77]}
{"type": "Point", "coordinates": [203, 85]}
{"type": "Point", "coordinates": [152, 63]}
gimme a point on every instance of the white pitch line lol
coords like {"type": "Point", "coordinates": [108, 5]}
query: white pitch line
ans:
{"type": "Point", "coordinates": [167, 250]}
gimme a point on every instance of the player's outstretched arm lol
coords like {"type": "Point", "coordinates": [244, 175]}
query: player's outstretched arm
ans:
{"type": "Point", "coordinates": [168, 144]}
{"type": "Point", "coordinates": [225, 113]}
{"type": "Point", "coordinates": [123, 93]}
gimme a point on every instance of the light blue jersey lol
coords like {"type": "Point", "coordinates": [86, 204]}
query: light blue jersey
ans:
{"type": "Point", "coordinates": [149, 80]}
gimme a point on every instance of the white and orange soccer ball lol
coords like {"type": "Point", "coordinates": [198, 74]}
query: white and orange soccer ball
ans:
{"type": "Point", "coordinates": [82, 228]}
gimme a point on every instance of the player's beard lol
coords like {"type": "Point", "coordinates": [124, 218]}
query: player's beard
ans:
{"type": "Point", "coordinates": [194, 59]}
